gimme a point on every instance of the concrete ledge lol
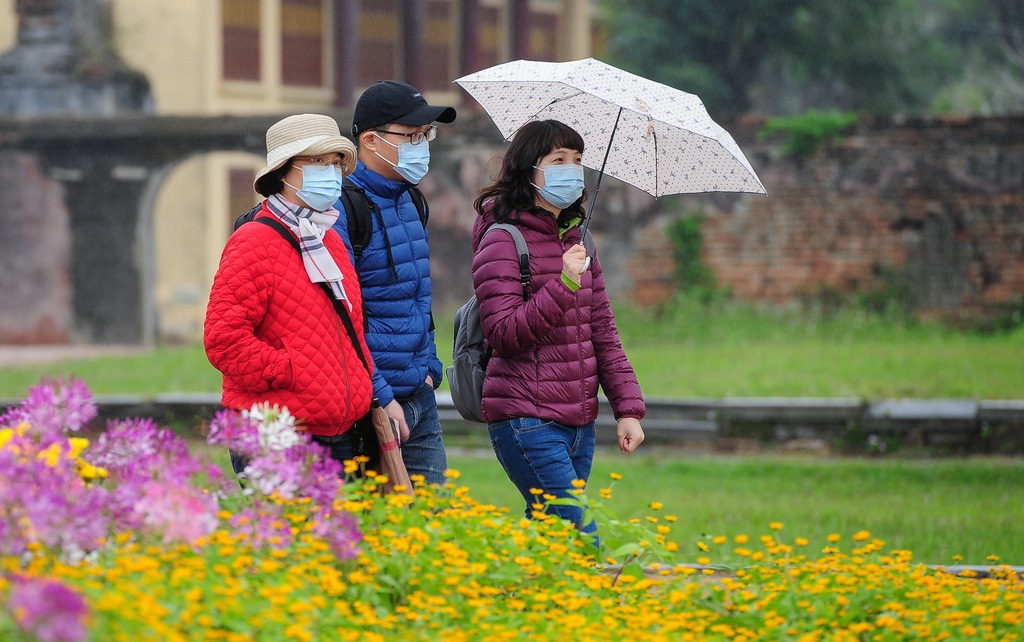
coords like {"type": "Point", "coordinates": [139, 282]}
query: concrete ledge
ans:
{"type": "Point", "coordinates": [959, 425]}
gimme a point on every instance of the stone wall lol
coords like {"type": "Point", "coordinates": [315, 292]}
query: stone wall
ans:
{"type": "Point", "coordinates": [931, 208]}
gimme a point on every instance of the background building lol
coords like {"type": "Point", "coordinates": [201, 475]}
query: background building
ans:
{"type": "Point", "coordinates": [242, 57]}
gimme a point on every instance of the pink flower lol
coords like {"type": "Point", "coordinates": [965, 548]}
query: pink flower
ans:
{"type": "Point", "coordinates": [179, 513]}
{"type": "Point", "coordinates": [47, 610]}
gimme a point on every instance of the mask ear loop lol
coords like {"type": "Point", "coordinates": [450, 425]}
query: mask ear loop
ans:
{"type": "Point", "coordinates": [381, 138]}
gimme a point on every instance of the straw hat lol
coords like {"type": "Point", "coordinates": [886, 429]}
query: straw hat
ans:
{"type": "Point", "coordinates": [306, 135]}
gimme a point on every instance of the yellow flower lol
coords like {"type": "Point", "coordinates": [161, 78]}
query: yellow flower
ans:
{"type": "Point", "coordinates": [860, 536]}
{"type": "Point", "coordinates": [656, 505]}
{"type": "Point", "coordinates": [775, 526]}
{"type": "Point", "coordinates": [77, 446]}
{"type": "Point", "coordinates": [606, 493]}
{"type": "Point", "coordinates": [741, 539]}
{"type": "Point", "coordinates": [703, 561]}
{"type": "Point", "coordinates": [578, 483]}
{"type": "Point", "coordinates": [833, 538]}
{"type": "Point", "coordinates": [452, 473]}
{"type": "Point", "coordinates": [721, 539]}
{"type": "Point", "coordinates": [800, 541]}
{"type": "Point", "coordinates": [536, 491]}
{"type": "Point", "coordinates": [615, 476]}
{"type": "Point", "coordinates": [702, 546]}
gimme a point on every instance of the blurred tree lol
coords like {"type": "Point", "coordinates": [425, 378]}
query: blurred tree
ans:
{"type": "Point", "coordinates": [783, 56]}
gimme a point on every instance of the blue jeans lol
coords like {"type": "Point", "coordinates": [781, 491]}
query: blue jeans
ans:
{"type": "Point", "coordinates": [548, 455]}
{"type": "Point", "coordinates": [423, 452]}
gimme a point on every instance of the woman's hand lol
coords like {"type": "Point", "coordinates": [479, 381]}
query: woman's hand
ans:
{"type": "Point", "coordinates": [574, 263]}
{"type": "Point", "coordinates": [630, 434]}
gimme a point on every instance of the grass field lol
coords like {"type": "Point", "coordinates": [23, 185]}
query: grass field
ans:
{"type": "Point", "coordinates": [934, 508]}
{"type": "Point", "coordinates": [727, 349]}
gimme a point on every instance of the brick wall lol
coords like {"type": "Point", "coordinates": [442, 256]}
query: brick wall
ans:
{"type": "Point", "coordinates": [936, 207]}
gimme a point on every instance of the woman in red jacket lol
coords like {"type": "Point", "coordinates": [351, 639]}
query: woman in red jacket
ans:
{"type": "Point", "coordinates": [275, 325]}
{"type": "Point", "coordinates": [554, 345]}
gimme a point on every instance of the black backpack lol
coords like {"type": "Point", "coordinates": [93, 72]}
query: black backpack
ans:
{"type": "Point", "coordinates": [470, 352]}
{"type": "Point", "coordinates": [359, 208]}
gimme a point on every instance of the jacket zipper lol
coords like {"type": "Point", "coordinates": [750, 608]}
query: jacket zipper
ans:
{"type": "Point", "coordinates": [579, 351]}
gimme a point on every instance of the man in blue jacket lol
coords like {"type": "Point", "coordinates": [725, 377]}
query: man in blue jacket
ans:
{"type": "Point", "coordinates": [393, 126]}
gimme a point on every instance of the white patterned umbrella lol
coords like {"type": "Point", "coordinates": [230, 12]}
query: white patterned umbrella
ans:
{"type": "Point", "coordinates": [656, 138]}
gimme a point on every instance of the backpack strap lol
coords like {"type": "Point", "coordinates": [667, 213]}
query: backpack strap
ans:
{"type": "Point", "coordinates": [339, 306]}
{"type": "Point", "coordinates": [521, 249]}
{"type": "Point", "coordinates": [421, 204]}
{"type": "Point", "coordinates": [359, 209]}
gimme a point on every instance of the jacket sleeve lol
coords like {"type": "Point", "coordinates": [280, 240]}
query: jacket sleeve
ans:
{"type": "Point", "coordinates": [238, 303]}
{"type": "Point", "coordinates": [618, 380]}
{"type": "Point", "coordinates": [510, 324]}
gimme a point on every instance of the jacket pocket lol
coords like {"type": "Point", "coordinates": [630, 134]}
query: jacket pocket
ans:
{"type": "Point", "coordinates": [284, 375]}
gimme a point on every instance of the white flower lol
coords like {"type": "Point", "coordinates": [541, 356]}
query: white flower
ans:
{"type": "Point", "coordinates": [276, 426]}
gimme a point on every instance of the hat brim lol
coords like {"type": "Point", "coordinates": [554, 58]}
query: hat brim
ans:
{"type": "Point", "coordinates": [428, 114]}
{"type": "Point", "coordinates": [329, 145]}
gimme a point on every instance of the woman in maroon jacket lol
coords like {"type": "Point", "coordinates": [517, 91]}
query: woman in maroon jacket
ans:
{"type": "Point", "coordinates": [553, 348]}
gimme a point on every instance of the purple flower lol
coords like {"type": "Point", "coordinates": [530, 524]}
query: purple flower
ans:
{"type": "Point", "coordinates": [54, 406]}
{"type": "Point", "coordinates": [264, 525]}
{"type": "Point", "coordinates": [48, 504]}
{"type": "Point", "coordinates": [231, 429]}
{"type": "Point", "coordinates": [340, 531]}
{"type": "Point", "coordinates": [47, 610]}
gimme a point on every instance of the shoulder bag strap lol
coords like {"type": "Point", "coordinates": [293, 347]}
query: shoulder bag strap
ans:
{"type": "Point", "coordinates": [339, 306]}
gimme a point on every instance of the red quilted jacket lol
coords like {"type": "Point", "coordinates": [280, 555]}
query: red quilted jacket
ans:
{"type": "Point", "coordinates": [276, 338]}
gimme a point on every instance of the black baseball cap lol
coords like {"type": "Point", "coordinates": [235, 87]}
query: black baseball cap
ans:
{"type": "Point", "coordinates": [391, 101]}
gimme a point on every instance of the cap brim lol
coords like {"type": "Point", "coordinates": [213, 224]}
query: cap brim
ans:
{"type": "Point", "coordinates": [428, 114]}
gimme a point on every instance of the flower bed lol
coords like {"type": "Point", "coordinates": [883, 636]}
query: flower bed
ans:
{"type": "Point", "coordinates": [133, 537]}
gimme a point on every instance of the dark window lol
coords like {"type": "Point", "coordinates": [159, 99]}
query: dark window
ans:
{"type": "Point", "coordinates": [302, 42]}
{"type": "Point", "coordinates": [544, 35]}
{"type": "Point", "coordinates": [240, 22]}
{"type": "Point", "coordinates": [378, 41]}
{"type": "Point", "coordinates": [490, 37]}
{"type": "Point", "coordinates": [438, 45]}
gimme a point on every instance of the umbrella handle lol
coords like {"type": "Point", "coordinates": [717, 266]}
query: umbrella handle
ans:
{"type": "Point", "coordinates": [586, 264]}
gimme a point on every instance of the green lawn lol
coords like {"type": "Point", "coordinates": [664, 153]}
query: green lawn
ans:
{"type": "Point", "coordinates": [937, 509]}
{"type": "Point", "coordinates": [727, 349]}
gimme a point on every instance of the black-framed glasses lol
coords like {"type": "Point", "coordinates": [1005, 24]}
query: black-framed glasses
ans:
{"type": "Point", "coordinates": [416, 137]}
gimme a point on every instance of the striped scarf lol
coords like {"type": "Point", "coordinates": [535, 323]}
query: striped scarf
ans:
{"type": "Point", "coordinates": [310, 226]}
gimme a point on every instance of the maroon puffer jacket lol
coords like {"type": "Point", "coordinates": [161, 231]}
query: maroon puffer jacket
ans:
{"type": "Point", "coordinates": [550, 352]}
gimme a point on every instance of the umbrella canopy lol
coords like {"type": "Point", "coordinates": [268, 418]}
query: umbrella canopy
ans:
{"type": "Point", "coordinates": [656, 138]}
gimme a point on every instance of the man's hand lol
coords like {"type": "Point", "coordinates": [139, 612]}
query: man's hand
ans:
{"type": "Point", "coordinates": [394, 410]}
{"type": "Point", "coordinates": [630, 434]}
{"type": "Point", "coordinates": [430, 381]}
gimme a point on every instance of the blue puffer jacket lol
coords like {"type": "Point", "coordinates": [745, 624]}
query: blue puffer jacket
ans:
{"type": "Point", "coordinates": [394, 272]}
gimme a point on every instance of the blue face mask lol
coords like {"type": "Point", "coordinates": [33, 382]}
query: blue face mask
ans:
{"type": "Point", "coordinates": [413, 160]}
{"type": "Point", "coordinates": [321, 186]}
{"type": "Point", "coordinates": [563, 184]}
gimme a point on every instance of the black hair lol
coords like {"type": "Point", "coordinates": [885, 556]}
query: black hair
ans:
{"type": "Point", "coordinates": [273, 182]}
{"type": "Point", "coordinates": [513, 191]}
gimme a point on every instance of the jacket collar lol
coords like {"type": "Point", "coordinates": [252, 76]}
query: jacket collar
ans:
{"type": "Point", "coordinates": [377, 184]}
